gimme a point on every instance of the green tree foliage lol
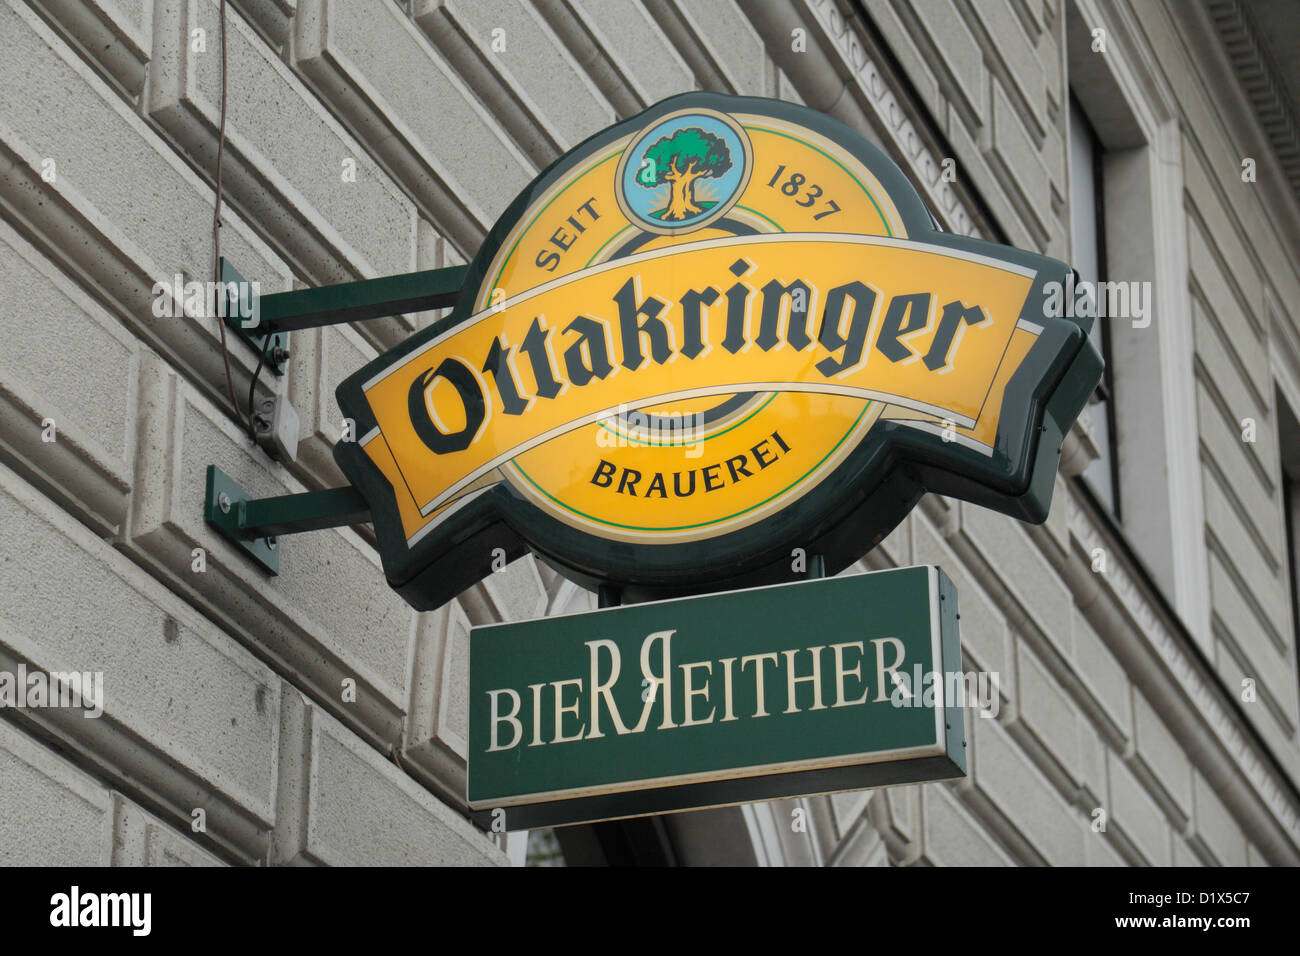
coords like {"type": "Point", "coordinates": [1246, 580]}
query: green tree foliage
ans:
{"type": "Point", "coordinates": [679, 160]}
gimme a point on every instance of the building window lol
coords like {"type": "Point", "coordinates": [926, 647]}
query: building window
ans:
{"type": "Point", "coordinates": [1088, 244]}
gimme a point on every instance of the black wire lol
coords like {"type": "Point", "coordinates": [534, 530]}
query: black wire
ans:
{"type": "Point", "coordinates": [252, 385]}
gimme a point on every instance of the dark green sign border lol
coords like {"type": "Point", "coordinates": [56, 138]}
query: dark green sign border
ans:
{"type": "Point", "coordinates": [847, 514]}
{"type": "Point", "coordinates": [619, 803]}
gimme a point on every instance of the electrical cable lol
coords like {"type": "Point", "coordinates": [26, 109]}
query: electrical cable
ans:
{"type": "Point", "coordinates": [216, 231]}
{"type": "Point", "coordinates": [252, 386]}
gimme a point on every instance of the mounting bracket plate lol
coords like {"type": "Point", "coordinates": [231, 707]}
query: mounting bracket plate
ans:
{"type": "Point", "coordinates": [254, 333]}
{"type": "Point", "coordinates": [225, 508]}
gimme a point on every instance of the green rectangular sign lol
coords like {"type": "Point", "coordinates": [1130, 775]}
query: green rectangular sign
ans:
{"type": "Point", "coordinates": [758, 694]}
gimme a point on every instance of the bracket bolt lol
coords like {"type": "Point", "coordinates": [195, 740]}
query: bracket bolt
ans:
{"type": "Point", "coordinates": [223, 502]}
{"type": "Point", "coordinates": [270, 541]}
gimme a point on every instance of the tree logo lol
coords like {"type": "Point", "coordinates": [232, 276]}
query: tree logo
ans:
{"type": "Point", "coordinates": [680, 160]}
{"type": "Point", "coordinates": [683, 172]}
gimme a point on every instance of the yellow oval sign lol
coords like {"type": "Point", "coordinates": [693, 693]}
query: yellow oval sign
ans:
{"type": "Point", "coordinates": [706, 338]}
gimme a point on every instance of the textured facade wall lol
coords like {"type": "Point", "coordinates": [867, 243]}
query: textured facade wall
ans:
{"type": "Point", "coordinates": [313, 717]}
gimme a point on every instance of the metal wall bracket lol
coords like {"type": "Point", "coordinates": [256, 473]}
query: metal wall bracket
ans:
{"type": "Point", "coordinates": [247, 321]}
{"type": "Point", "coordinates": [264, 322]}
{"type": "Point", "coordinates": [363, 299]}
{"type": "Point", "coordinates": [256, 524]}
{"type": "Point", "coordinates": [283, 312]}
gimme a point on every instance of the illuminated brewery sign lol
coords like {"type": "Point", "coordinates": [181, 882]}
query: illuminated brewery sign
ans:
{"type": "Point", "coordinates": [706, 701]}
{"type": "Point", "coordinates": [708, 336]}
{"type": "Point", "coordinates": [707, 344]}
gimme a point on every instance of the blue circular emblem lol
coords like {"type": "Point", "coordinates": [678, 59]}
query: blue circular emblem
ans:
{"type": "Point", "coordinates": [683, 172]}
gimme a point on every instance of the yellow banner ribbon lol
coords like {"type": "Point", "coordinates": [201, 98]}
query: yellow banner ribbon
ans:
{"type": "Point", "coordinates": [914, 325]}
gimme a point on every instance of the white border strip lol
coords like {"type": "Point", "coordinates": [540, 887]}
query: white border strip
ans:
{"type": "Point", "coordinates": [935, 428]}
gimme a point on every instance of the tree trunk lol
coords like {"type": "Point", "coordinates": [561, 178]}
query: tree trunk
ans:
{"type": "Point", "coordinates": [681, 202]}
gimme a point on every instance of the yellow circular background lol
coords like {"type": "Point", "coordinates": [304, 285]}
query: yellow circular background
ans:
{"type": "Point", "coordinates": [819, 430]}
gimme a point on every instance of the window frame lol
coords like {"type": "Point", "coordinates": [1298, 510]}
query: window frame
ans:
{"type": "Point", "coordinates": [1104, 394]}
